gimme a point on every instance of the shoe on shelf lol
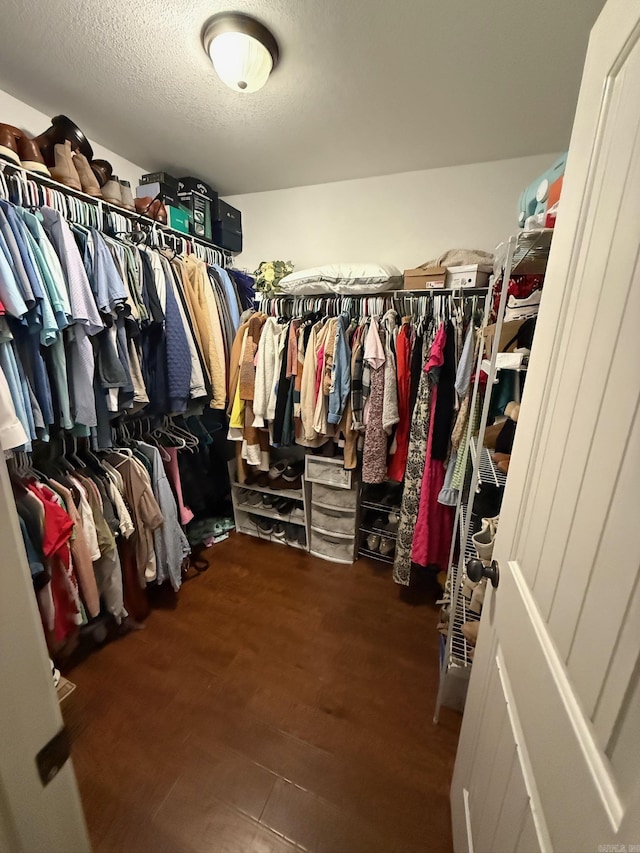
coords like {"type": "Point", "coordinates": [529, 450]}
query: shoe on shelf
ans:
{"type": "Point", "coordinates": [31, 156]}
{"type": "Point", "coordinates": [293, 471]}
{"type": "Point", "coordinates": [103, 171]}
{"type": "Point", "coordinates": [297, 513]}
{"type": "Point", "coordinates": [284, 506]}
{"type": "Point", "coordinates": [291, 535]}
{"type": "Point", "coordinates": [127, 196]}
{"type": "Point", "coordinates": [387, 546]}
{"type": "Point", "coordinates": [112, 191]}
{"type": "Point", "coordinates": [503, 464]}
{"type": "Point", "coordinates": [491, 433]}
{"type": "Point", "coordinates": [470, 632]}
{"type": "Point", "coordinates": [279, 530]}
{"type": "Point", "coordinates": [373, 541]}
{"type": "Point", "coordinates": [254, 498]}
{"type": "Point", "coordinates": [265, 526]}
{"type": "Point", "coordinates": [302, 537]}
{"type": "Point", "coordinates": [62, 130]}
{"type": "Point", "coordinates": [483, 540]}
{"type": "Point", "coordinates": [152, 207]}
{"type": "Point", "coordinates": [477, 598]}
{"type": "Point", "coordinates": [468, 587]}
{"type": "Point", "coordinates": [278, 469]}
{"type": "Point", "coordinates": [269, 501]}
{"type": "Point", "coordinates": [89, 182]}
{"type": "Point", "coordinates": [65, 171]}
{"type": "Point", "coordinates": [10, 137]}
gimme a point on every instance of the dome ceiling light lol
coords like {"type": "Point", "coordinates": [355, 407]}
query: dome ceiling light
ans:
{"type": "Point", "coordinates": [242, 50]}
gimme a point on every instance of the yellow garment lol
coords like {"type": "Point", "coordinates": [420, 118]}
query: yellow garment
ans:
{"type": "Point", "coordinates": [206, 316]}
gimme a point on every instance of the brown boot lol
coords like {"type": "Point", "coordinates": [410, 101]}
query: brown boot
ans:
{"type": "Point", "coordinates": [103, 170]}
{"type": "Point", "coordinates": [112, 192]}
{"type": "Point", "coordinates": [127, 196]}
{"type": "Point", "coordinates": [31, 156]}
{"type": "Point", "coordinates": [61, 130]}
{"type": "Point", "coordinates": [89, 182]}
{"type": "Point", "coordinates": [9, 138]}
{"type": "Point", "coordinates": [64, 170]}
{"type": "Point", "coordinates": [153, 208]}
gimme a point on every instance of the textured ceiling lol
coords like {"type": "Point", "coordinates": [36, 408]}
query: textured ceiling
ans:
{"type": "Point", "coordinates": [364, 87]}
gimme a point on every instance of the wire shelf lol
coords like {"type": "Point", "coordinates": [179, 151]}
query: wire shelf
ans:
{"type": "Point", "coordinates": [488, 472]}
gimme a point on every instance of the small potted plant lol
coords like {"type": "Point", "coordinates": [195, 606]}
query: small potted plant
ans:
{"type": "Point", "coordinates": [269, 274]}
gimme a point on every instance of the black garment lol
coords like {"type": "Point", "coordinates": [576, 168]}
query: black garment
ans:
{"type": "Point", "coordinates": [445, 402]}
{"type": "Point", "coordinates": [153, 344]}
{"type": "Point", "coordinates": [282, 394]}
{"type": "Point", "coordinates": [416, 369]}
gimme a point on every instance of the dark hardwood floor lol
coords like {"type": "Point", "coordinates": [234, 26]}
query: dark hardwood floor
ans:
{"type": "Point", "coordinates": [279, 702]}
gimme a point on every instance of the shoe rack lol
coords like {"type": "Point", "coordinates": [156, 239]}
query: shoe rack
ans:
{"type": "Point", "coordinates": [28, 192]}
{"type": "Point", "coordinates": [246, 514]}
{"type": "Point", "coordinates": [525, 253]}
{"type": "Point", "coordinates": [379, 505]}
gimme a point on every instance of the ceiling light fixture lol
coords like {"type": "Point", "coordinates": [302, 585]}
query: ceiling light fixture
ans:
{"type": "Point", "coordinates": [242, 50]}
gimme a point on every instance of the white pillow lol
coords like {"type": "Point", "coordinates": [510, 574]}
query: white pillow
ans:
{"type": "Point", "coordinates": [342, 278]}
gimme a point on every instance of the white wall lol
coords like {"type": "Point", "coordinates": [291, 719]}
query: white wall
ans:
{"type": "Point", "coordinates": [402, 219]}
{"type": "Point", "coordinates": [19, 114]}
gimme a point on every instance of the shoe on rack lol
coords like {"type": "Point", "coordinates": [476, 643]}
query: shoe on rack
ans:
{"type": "Point", "coordinates": [265, 526]}
{"type": "Point", "coordinates": [470, 632]}
{"type": "Point", "coordinates": [387, 546]}
{"type": "Point", "coordinates": [278, 469]}
{"type": "Point", "coordinates": [512, 411]}
{"type": "Point", "coordinates": [31, 156]}
{"type": "Point", "coordinates": [484, 539]}
{"type": "Point", "coordinates": [373, 541]}
{"type": "Point", "coordinates": [127, 196]}
{"type": "Point", "coordinates": [291, 535]}
{"type": "Point", "coordinates": [112, 191]}
{"type": "Point", "coordinates": [477, 598]}
{"type": "Point", "coordinates": [302, 537]}
{"type": "Point", "coordinates": [284, 506]}
{"type": "Point", "coordinates": [269, 501]}
{"type": "Point", "coordinates": [468, 587]}
{"type": "Point", "coordinates": [89, 182]}
{"type": "Point", "coordinates": [253, 498]}
{"type": "Point", "coordinates": [297, 513]}
{"type": "Point", "coordinates": [10, 137]}
{"type": "Point", "coordinates": [503, 465]}
{"type": "Point", "coordinates": [490, 435]}
{"type": "Point", "coordinates": [294, 471]}
{"type": "Point", "coordinates": [279, 530]}
{"type": "Point", "coordinates": [65, 171]}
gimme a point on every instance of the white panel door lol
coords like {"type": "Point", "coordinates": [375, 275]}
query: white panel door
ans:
{"type": "Point", "coordinates": [35, 817]}
{"type": "Point", "coordinates": [549, 753]}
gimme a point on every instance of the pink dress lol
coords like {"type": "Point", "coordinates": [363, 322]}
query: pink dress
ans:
{"type": "Point", "coordinates": [434, 522]}
{"type": "Point", "coordinates": [173, 473]}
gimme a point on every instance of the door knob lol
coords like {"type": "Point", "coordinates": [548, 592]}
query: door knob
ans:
{"type": "Point", "coordinates": [476, 570]}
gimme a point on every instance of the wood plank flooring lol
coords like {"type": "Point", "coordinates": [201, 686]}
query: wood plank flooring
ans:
{"type": "Point", "coordinates": [279, 702]}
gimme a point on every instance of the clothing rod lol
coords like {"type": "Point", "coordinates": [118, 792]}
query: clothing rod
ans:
{"type": "Point", "coordinates": [432, 291]}
{"type": "Point", "coordinates": [36, 177]}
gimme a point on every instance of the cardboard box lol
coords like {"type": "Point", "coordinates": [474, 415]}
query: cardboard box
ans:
{"type": "Point", "coordinates": [425, 278]}
{"type": "Point", "coordinates": [160, 178]}
{"type": "Point", "coordinates": [158, 190]}
{"type": "Point", "coordinates": [179, 219]}
{"type": "Point", "coordinates": [469, 275]}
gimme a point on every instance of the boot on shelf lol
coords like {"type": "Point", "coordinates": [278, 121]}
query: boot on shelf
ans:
{"type": "Point", "coordinates": [89, 182]}
{"type": "Point", "coordinates": [112, 191]}
{"type": "Point", "coordinates": [10, 137]}
{"type": "Point", "coordinates": [127, 196]}
{"type": "Point", "coordinates": [31, 156]}
{"type": "Point", "coordinates": [64, 170]}
{"type": "Point", "coordinates": [62, 130]}
{"type": "Point", "coordinates": [103, 170]}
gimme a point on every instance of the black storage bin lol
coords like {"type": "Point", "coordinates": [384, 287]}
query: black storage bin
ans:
{"type": "Point", "coordinates": [227, 238]}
